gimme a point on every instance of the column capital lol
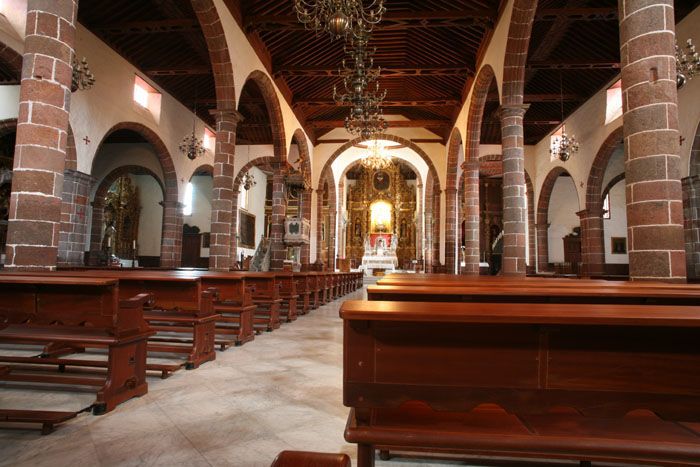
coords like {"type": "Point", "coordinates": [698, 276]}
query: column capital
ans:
{"type": "Point", "coordinates": [471, 165]}
{"type": "Point", "coordinates": [516, 110]}
{"type": "Point", "coordinates": [542, 226]}
{"type": "Point", "coordinates": [172, 204]}
{"type": "Point", "coordinates": [227, 115]}
{"type": "Point", "coordinates": [450, 191]}
{"type": "Point", "coordinates": [591, 212]}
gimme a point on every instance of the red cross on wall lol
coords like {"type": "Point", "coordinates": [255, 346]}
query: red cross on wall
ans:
{"type": "Point", "coordinates": [87, 140]}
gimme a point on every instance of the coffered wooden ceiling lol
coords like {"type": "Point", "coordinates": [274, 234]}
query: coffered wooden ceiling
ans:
{"type": "Point", "coordinates": [428, 51]}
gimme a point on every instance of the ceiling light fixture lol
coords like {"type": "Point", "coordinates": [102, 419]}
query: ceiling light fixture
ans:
{"type": "Point", "coordinates": [376, 157]}
{"type": "Point", "coordinates": [566, 145]}
{"type": "Point", "coordinates": [192, 146]}
{"type": "Point", "coordinates": [82, 78]}
{"type": "Point", "coordinates": [339, 17]}
{"type": "Point", "coordinates": [687, 63]}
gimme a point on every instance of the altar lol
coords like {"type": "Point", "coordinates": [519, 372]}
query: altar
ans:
{"type": "Point", "coordinates": [380, 253]}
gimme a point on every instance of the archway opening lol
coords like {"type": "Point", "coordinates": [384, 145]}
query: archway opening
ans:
{"type": "Point", "coordinates": [196, 237]}
{"type": "Point", "coordinates": [8, 135]}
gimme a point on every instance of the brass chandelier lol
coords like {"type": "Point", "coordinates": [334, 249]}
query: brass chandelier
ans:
{"type": "Point", "coordinates": [192, 146]}
{"type": "Point", "coordinates": [687, 63]}
{"type": "Point", "coordinates": [339, 17]}
{"type": "Point", "coordinates": [566, 145]}
{"type": "Point", "coordinates": [82, 78]}
{"type": "Point", "coordinates": [366, 118]}
{"type": "Point", "coordinates": [376, 157]}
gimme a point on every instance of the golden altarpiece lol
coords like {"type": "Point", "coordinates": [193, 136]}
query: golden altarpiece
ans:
{"type": "Point", "coordinates": [121, 217]}
{"type": "Point", "coordinates": [381, 203]}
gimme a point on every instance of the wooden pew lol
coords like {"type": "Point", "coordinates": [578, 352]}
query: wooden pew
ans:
{"type": "Point", "coordinates": [612, 383]}
{"type": "Point", "coordinates": [182, 314]}
{"type": "Point", "coordinates": [288, 294]}
{"type": "Point", "coordinates": [85, 312]}
{"type": "Point", "coordinates": [316, 287]}
{"type": "Point", "coordinates": [525, 294]}
{"type": "Point", "coordinates": [266, 297]}
{"type": "Point", "coordinates": [310, 459]}
{"type": "Point", "coordinates": [303, 284]}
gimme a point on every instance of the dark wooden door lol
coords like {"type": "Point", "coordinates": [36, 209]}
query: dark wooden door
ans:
{"type": "Point", "coordinates": [190, 249]}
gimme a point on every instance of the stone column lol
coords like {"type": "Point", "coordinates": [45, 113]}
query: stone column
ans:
{"type": "Point", "coordinates": [42, 133]}
{"type": "Point", "coordinates": [171, 241]}
{"type": "Point", "coordinates": [652, 144]}
{"type": "Point", "coordinates": [471, 217]}
{"type": "Point", "coordinates": [279, 211]}
{"type": "Point", "coordinates": [419, 222]}
{"type": "Point", "coordinates": [451, 264]}
{"type": "Point", "coordinates": [319, 226]}
{"type": "Point", "coordinates": [514, 201]}
{"type": "Point", "coordinates": [98, 212]}
{"type": "Point", "coordinates": [305, 203]}
{"type": "Point", "coordinates": [436, 228]}
{"type": "Point", "coordinates": [542, 247]}
{"type": "Point", "coordinates": [691, 216]}
{"type": "Point", "coordinates": [73, 239]}
{"type": "Point", "coordinates": [340, 236]}
{"type": "Point", "coordinates": [233, 248]}
{"type": "Point", "coordinates": [592, 241]}
{"type": "Point", "coordinates": [223, 211]}
{"type": "Point", "coordinates": [332, 215]}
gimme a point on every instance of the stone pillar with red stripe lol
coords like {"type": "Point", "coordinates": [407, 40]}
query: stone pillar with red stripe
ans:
{"type": "Point", "coordinates": [592, 241]}
{"type": "Point", "coordinates": [652, 144]}
{"type": "Point", "coordinates": [514, 200]}
{"type": "Point", "coordinates": [471, 217]}
{"type": "Point", "coordinates": [279, 211]}
{"type": "Point", "coordinates": [450, 229]}
{"type": "Point", "coordinates": [73, 238]}
{"type": "Point", "coordinates": [305, 203]}
{"type": "Point", "coordinates": [171, 240]}
{"type": "Point", "coordinates": [42, 133]}
{"type": "Point", "coordinates": [436, 228]}
{"type": "Point", "coordinates": [222, 253]}
{"type": "Point", "coordinates": [542, 247]}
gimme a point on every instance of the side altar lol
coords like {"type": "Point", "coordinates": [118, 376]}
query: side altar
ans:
{"type": "Point", "coordinates": [380, 253]}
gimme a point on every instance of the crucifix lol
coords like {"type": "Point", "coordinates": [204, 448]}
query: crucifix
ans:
{"type": "Point", "coordinates": [87, 140]}
{"type": "Point", "coordinates": [682, 139]}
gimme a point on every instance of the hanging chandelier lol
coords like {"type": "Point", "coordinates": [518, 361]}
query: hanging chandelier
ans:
{"type": "Point", "coordinates": [366, 118]}
{"type": "Point", "coordinates": [192, 146]}
{"type": "Point", "coordinates": [687, 63]}
{"type": "Point", "coordinates": [564, 146]}
{"type": "Point", "coordinates": [376, 157]}
{"type": "Point", "coordinates": [82, 78]}
{"type": "Point", "coordinates": [338, 17]}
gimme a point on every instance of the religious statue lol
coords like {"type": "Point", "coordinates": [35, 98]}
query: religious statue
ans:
{"type": "Point", "coordinates": [110, 236]}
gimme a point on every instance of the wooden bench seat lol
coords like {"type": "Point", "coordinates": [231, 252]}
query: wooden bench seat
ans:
{"type": "Point", "coordinates": [640, 437]}
{"type": "Point", "coordinates": [46, 418]}
{"type": "Point", "coordinates": [571, 381]}
{"type": "Point", "coordinates": [194, 335]}
{"type": "Point", "coordinates": [76, 313]}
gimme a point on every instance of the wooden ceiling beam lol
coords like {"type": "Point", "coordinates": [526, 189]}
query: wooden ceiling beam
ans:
{"type": "Point", "coordinates": [426, 102]}
{"type": "Point", "coordinates": [386, 72]}
{"type": "Point", "coordinates": [593, 64]}
{"type": "Point", "coordinates": [400, 20]}
{"type": "Point", "coordinates": [577, 14]}
{"type": "Point", "coordinates": [392, 123]}
{"type": "Point", "coordinates": [528, 98]}
{"type": "Point", "coordinates": [180, 71]}
{"type": "Point", "coordinates": [151, 27]}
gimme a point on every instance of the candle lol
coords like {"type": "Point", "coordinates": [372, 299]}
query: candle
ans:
{"type": "Point", "coordinates": [109, 242]}
{"type": "Point", "coordinates": [134, 245]}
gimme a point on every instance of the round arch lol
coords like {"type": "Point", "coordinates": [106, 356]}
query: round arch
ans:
{"type": "Point", "coordinates": [480, 91]}
{"type": "Point", "coordinates": [214, 35]}
{"type": "Point", "coordinates": [274, 110]}
{"type": "Point", "coordinates": [171, 238]}
{"type": "Point", "coordinates": [694, 168]}
{"type": "Point", "coordinates": [594, 185]}
{"type": "Point", "coordinates": [543, 215]}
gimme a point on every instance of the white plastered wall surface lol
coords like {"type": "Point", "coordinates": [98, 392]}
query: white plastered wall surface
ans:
{"type": "Point", "coordinates": [688, 95]}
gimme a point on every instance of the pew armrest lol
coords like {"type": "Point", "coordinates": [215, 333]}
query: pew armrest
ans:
{"type": "Point", "coordinates": [310, 459]}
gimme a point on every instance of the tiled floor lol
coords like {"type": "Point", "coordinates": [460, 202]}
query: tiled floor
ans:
{"type": "Point", "coordinates": [281, 391]}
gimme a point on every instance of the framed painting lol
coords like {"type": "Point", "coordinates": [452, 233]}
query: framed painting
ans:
{"type": "Point", "coordinates": [246, 230]}
{"type": "Point", "coordinates": [618, 245]}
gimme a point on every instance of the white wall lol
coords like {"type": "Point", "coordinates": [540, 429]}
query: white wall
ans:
{"type": "Point", "coordinates": [256, 206]}
{"type": "Point", "coordinates": [151, 218]}
{"type": "Point", "coordinates": [112, 156]}
{"type": "Point", "coordinates": [9, 102]}
{"type": "Point", "coordinates": [562, 217]}
{"type": "Point", "coordinates": [616, 226]}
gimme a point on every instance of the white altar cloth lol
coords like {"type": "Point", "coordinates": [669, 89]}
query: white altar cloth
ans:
{"type": "Point", "coordinates": [388, 263]}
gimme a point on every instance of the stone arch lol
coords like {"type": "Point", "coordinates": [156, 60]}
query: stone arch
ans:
{"type": "Point", "coordinates": [531, 230]}
{"type": "Point", "coordinates": [543, 216]}
{"type": "Point", "coordinates": [453, 159]}
{"type": "Point", "coordinates": [519, 32]}
{"type": "Point", "coordinates": [299, 138]}
{"type": "Point", "coordinates": [476, 111]}
{"type": "Point", "coordinates": [694, 168]}
{"type": "Point", "coordinates": [218, 53]}
{"type": "Point", "coordinates": [274, 110]}
{"type": "Point", "coordinates": [408, 163]}
{"type": "Point", "coordinates": [204, 168]}
{"type": "Point", "coordinates": [12, 59]}
{"type": "Point", "coordinates": [600, 163]}
{"type": "Point", "coordinates": [327, 176]}
{"type": "Point", "coordinates": [171, 241]}
{"type": "Point", "coordinates": [71, 153]}
{"type": "Point", "coordinates": [617, 178]}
